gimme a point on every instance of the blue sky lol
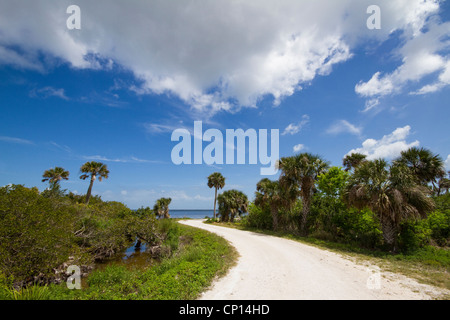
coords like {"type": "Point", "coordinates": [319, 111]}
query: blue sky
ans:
{"type": "Point", "coordinates": [115, 90]}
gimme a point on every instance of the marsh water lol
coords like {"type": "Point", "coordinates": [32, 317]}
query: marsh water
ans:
{"type": "Point", "coordinates": [137, 257]}
{"type": "Point", "coordinates": [132, 258]}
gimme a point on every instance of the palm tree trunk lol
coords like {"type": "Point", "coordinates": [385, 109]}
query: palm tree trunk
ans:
{"type": "Point", "coordinates": [88, 194]}
{"type": "Point", "coordinates": [274, 210]}
{"type": "Point", "coordinates": [389, 229]}
{"type": "Point", "coordinates": [306, 201]}
{"type": "Point", "coordinates": [215, 201]}
{"type": "Point", "coordinates": [305, 212]}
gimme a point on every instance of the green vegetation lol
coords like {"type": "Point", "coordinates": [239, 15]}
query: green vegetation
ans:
{"type": "Point", "coordinates": [373, 204]}
{"type": "Point", "coordinates": [232, 203]}
{"type": "Point", "coordinates": [200, 257]}
{"type": "Point", "coordinates": [93, 170]}
{"type": "Point", "coordinates": [397, 214]}
{"type": "Point", "coordinates": [161, 207]}
{"type": "Point", "coordinates": [391, 193]}
{"type": "Point", "coordinates": [301, 172]}
{"type": "Point", "coordinates": [42, 233]}
{"type": "Point", "coordinates": [54, 176]}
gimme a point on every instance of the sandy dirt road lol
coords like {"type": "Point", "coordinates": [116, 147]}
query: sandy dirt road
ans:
{"type": "Point", "coordinates": [271, 268]}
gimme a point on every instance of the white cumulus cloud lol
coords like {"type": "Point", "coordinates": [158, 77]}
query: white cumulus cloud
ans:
{"type": "Point", "coordinates": [299, 147]}
{"type": "Point", "coordinates": [424, 54]}
{"type": "Point", "coordinates": [294, 128]}
{"type": "Point", "coordinates": [447, 163]}
{"type": "Point", "coordinates": [388, 147]}
{"type": "Point", "coordinates": [214, 55]}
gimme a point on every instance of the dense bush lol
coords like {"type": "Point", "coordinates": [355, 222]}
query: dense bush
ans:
{"type": "Point", "coordinates": [332, 220]}
{"type": "Point", "coordinates": [434, 230]}
{"type": "Point", "coordinates": [258, 217]}
{"type": "Point", "coordinates": [439, 221]}
{"type": "Point", "coordinates": [36, 233]}
{"type": "Point", "coordinates": [39, 232]}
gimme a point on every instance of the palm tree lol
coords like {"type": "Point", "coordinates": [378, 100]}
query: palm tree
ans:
{"type": "Point", "coordinates": [216, 181]}
{"type": "Point", "coordinates": [391, 192]}
{"type": "Point", "coordinates": [93, 170]}
{"type": "Point", "coordinates": [271, 193]}
{"type": "Point", "coordinates": [426, 166]}
{"type": "Point", "coordinates": [443, 185]}
{"type": "Point", "coordinates": [301, 171]}
{"type": "Point", "coordinates": [161, 207]}
{"type": "Point", "coordinates": [54, 176]}
{"type": "Point", "coordinates": [232, 203]}
{"type": "Point", "coordinates": [352, 161]}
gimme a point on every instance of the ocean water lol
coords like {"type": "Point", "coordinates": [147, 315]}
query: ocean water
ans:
{"type": "Point", "coordinates": [193, 214]}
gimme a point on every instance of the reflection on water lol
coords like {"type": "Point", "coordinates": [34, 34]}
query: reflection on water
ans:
{"type": "Point", "coordinates": [133, 257]}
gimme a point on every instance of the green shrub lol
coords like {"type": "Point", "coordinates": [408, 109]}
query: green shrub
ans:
{"type": "Point", "coordinates": [40, 231]}
{"type": "Point", "coordinates": [36, 233]}
{"type": "Point", "coordinates": [434, 230]}
{"type": "Point", "coordinates": [439, 221]}
{"type": "Point", "coordinates": [331, 218]}
{"type": "Point", "coordinates": [257, 217]}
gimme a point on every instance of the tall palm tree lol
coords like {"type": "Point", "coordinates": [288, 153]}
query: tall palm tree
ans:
{"type": "Point", "coordinates": [216, 181]}
{"type": "Point", "coordinates": [427, 167]}
{"type": "Point", "coordinates": [271, 193]}
{"type": "Point", "coordinates": [301, 171]}
{"type": "Point", "coordinates": [351, 161]}
{"type": "Point", "coordinates": [161, 207]}
{"type": "Point", "coordinates": [93, 170]}
{"type": "Point", "coordinates": [54, 176]}
{"type": "Point", "coordinates": [232, 203]}
{"type": "Point", "coordinates": [391, 192]}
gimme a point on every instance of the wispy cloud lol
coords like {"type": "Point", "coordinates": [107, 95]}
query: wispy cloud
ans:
{"type": "Point", "coordinates": [161, 128]}
{"type": "Point", "coordinates": [342, 126]}
{"type": "Point", "coordinates": [61, 147]}
{"type": "Point", "coordinates": [15, 140]}
{"type": "Point", "coordinates": [120, 160]}
{"type": "Point", "coordinates": [294, 128]}
{"type": "Point", "coordinates": [27, 61]}
{"type": "Point", "coordinates": [105, 98]}
{"type": "Point", "coordinates": [371, 104]}
{"type": "Point", "coordinates": [47, 92]}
